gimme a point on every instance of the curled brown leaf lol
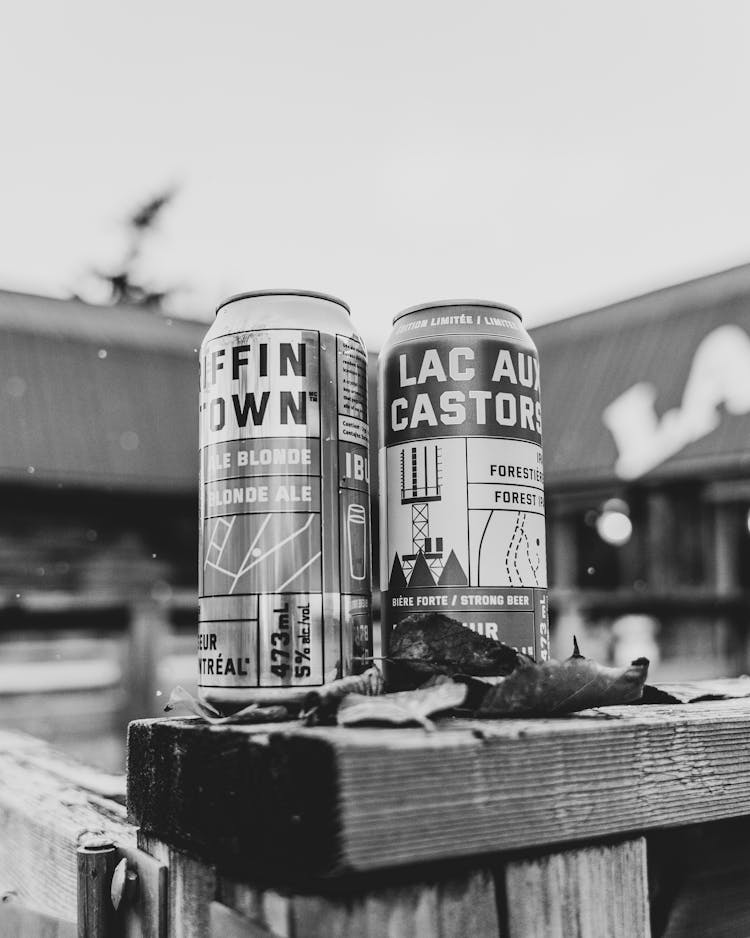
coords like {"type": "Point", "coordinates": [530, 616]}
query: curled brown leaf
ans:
{"type": "Point", "coordinates": [425, 644]}
{"type": "Point", "coordinates": [321, 703]}
{"type": "Point", "coordinates": [250, 714]}
{"type": "Point", "coordinates": [402, 708]}
{"type": "Point", "coordinates": [558, 687]}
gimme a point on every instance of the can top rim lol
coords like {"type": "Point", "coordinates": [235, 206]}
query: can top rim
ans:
{"type": "Point", "coordinates": [258, 293]}
{"type": "Point", "coordinates": [437, 304]}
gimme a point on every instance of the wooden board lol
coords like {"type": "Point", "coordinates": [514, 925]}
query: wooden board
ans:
{"type": "Point", "coordinates": [49, 806]}
{"type": "Point", "coordinates": [594, 892]}
{"type": "Point", "coordinates": [454, 905]}
{"type": "Point", "coordinates": [290, 803]}
{"type": "Point", "coordinates": [699, 881]}
{"type": "Point", "coordinates": [192, 887]}
{"type": "Point", "coordinates": [451, 905]}
{"type": "Point", "coordinates": [444, 904]}
{"type": "Point", "coordinates": [19, 922]}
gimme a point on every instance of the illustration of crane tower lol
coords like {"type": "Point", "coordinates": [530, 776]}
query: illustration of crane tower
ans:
{"type": "Point", "coordinates": [421, 484]}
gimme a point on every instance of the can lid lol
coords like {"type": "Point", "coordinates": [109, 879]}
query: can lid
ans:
{"type": "Point", "coordinates": [310, 293]}
{"type": "Point", "coordinates": [437, 304]}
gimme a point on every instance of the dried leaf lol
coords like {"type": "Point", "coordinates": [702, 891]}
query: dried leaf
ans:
{"type": "Point", "coordinates": [409, 706]}
{"type": "Point", "coordinates": [250, 714]}
{"type": "Point", "coordinates": [430, 643]}
{"type": "Point", "coordinates": [478, 686]}
{"type": "Point", "coordinates": [557, 687]}
{"type": "Point", "coordinates": [322, 702]}
{"type": "Point", "coordinates": [437, 679]}
{"type": "Point", "coordinates": [182, 698]}
{"type": "Point", "coordinates": [369, 684]}
{"type": "Point", "coordinates": [726, 688]}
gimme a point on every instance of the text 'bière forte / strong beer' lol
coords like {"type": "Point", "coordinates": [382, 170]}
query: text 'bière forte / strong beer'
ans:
{"type": "Point", "coordinates": [462, 479]}
{"type": "Point", "coordinates": [284, 581]}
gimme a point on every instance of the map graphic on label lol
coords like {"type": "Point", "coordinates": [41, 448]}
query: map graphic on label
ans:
{"type": "Point", "coordinates": [470, 512]}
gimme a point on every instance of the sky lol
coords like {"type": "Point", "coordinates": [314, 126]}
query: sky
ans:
{"type": "Point", "coordinates": [555, 156]}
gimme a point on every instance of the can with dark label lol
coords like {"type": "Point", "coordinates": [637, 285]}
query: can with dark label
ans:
{"type": "Point", "coordinates": [284, 581]}
{"type": "Point", "coordinates": [462, 507]}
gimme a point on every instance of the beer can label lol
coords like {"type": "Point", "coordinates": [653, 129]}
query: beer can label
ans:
{"type": "Point", "coordinates": [283, 456]}
{"type": "Point", "coordinates": [462, 461]}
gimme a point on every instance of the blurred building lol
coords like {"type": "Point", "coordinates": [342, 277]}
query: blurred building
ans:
{"type": "Point", "coordinates": [98, 534]}
{"type": "Point", "coordinates": [98, 447]}
{"type": "Point", "coordinates": [646, 409]}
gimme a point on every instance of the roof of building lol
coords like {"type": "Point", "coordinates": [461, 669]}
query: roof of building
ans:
{"type": "Point", "coordinates": [653, 387]}
{"type": "Point", "coordinates": [97, 396]}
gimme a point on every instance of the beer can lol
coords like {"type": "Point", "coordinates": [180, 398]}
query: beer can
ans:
{"type": "Point", "coordinates": [284, 579]}
{"type": "Point", "coordinates": [462, 480]}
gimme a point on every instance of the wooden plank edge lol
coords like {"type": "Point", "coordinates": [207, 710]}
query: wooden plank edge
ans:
{"type": "Point", "coordinates": [44, 817]}
{"type": "Point", "coordinates": [331, 801]}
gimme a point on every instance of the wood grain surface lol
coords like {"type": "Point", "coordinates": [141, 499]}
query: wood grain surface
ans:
{"type": "Point", "coordinates": [19, 922]}
{"type": "Point", "coordinates": [192, 888]}
{"type": "Point", "coordinates": [458, 904]}
{"type": "Point", "coordinates": [294, 802]}
{"type": "Point", "coordinates": [50, 806]}
{"type": "Point", "coordinates": [455, 905]}
{"type": "Point", "coordinates": [594, 892]}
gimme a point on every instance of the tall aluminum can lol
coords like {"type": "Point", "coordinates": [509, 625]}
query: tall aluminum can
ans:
{"type": "Point", "coordinates": [462, 480]}
{"type": "Point", "coordinates": [284, 580]}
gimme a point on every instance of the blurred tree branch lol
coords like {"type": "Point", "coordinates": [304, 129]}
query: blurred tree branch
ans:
{"type": "Point", "coordinates": [124, 282]}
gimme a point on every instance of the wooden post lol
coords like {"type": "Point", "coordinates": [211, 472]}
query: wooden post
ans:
{"type": "Point", "coordinates": [631, 555]}
{"type": "Point", "coordinates": [594, 892]}
{"type": "Point", "coordinates": [564, 563]}
{"type": "Point", "coordinates": [504, 829]}
{"type": "Point", "coordinates": [192, 887]}
{"type": "Point", "coordinates": [660, 541]}
{"type": "Point", "coordinates": [727, 519]}
{"type": "Point", "coordinates": [295, 804]}
{"type": "Point", "coordinates": [148, 628]}
{"type": "Point", "coordinates": [564, 551]}
{"type": "Point", "coordinates": [456, 906]}
{"type": "Point", "coordinates": [96, 914]}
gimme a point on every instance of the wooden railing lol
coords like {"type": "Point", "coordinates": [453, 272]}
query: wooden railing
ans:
{"type": "Point", "coordinates": [628, 821]}
{"type": "Point", "coordinates": [119, 655]}
{"type": "Point", "coordinates": [50, 807]}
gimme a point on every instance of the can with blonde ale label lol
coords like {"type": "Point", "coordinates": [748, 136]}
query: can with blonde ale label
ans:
{"type": "Point", "coordinates": [462, 507]}
{"type": "Point", "coordinates": [284, 581]}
